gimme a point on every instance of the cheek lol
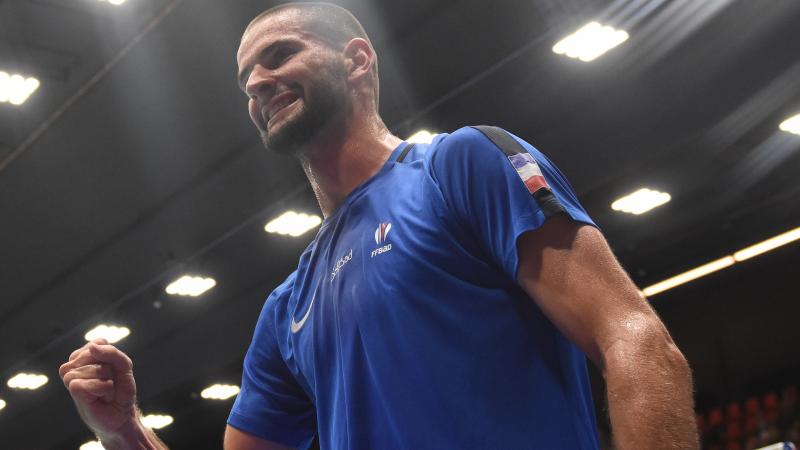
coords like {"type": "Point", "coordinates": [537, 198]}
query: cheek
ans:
{"type": "Point", "coordinates": [255, 113]}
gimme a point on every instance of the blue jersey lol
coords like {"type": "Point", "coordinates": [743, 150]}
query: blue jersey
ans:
{"type": "Point", "coordinates": [404, 327]}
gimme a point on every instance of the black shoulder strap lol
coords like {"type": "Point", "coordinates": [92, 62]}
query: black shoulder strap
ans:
{"type": "Point", "coordinates": [405, 152]}
{"type": "Point", "coordinates": [501, 139]}
{"type": "Point", "coordinates": [547, 201]}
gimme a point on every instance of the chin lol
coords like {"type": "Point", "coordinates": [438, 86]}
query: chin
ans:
{"type": "Point", "coordinates": [289, 136]}
{"type": "Point", "coordinates": [292, 134]}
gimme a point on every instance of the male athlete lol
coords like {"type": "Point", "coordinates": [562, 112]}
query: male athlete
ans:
{"type": "Point", "coordinates": [448, 300]}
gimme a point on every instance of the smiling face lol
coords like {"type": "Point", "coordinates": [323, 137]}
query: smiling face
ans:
{"type": "Point", "coordinates": [296, 81]}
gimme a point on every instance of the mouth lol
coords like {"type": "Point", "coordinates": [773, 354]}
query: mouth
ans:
{"type": "Point", "coordinates": [278, 104]}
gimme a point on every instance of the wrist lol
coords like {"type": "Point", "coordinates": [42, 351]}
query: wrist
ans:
{"type": "Point", "coordinates": [131, 436]}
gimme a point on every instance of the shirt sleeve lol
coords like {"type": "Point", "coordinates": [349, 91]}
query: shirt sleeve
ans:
{"type": "Point", "coordinates": [498, 191]}
{"type": "Point", "coordinates": [271, 404]}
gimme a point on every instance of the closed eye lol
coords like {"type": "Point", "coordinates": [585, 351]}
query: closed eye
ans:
{"type": "Point", "coordinates": [272, 57]}
{"type": "Point", "coordinates": [280, 56]}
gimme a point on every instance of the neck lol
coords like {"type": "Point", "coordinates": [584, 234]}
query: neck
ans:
{"type": "Point", "coordinates": [345, 155]}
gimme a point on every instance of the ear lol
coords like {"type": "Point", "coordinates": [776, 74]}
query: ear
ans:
{"type": "Point", "coordinates": [359, 59]}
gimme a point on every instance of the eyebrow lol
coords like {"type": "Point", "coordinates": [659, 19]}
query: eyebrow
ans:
{"type": "Point", "coordinates": [245, 74]}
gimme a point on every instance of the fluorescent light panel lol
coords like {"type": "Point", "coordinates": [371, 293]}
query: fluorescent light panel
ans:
{"type": "Point", "coordinates": [157, 421]}
{"type": "Point", "coordinates": [689, 275]}
{"type": "Point", "coordinates": [111, 333]}
{"type": "Point", "coordinates": [769, 244]}
{"type": "Point", "coordinates": [421, 137]}
{"type": "Point", "coordinates": [29, 381]}
{"type": "Point", "coordinates": [92, 445]}
{"type": "Point", "coordinates": [114, 2]}
{"type": "Point", "coordinates": [791, 125]}
{"type": "Point", "coordinates": [641, 201]}
{"type": "Point", "coordinates": [727, 261]}
{"type": "Point", "coordinates": [292, 223]}
{"type": "Point", "coordinates": [591, 41]}
{"type": "Point", "coordinates": [219, 392]}
{"type": "Point", "coordinates": [190, 286]}
{"type": "Point", "coordinates": [15, 88]}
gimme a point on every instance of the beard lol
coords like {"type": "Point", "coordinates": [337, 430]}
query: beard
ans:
{"type": "Point", "coordinates": [325, 98]}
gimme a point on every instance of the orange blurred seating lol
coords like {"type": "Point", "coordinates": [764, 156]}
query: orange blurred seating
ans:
{"type": "Point", "coordinates": [715, 418]}
{"type": "Point", "coordinates": [733, 445]}
{"type": "Point", "coordinates": [770, 400]}
{"type": "Point", "coordinates": [733, 430]}
{"type": "Point", "coordinates": [751, 407]}
{"type": "Point", "coordinates": [751, 424]}
{"type": "Point", "coordinates": [770, 403]}
{"type": "Point", "coordinates": [733, 412]}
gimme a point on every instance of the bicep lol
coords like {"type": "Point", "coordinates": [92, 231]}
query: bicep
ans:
{"type": "Point", "coordinates": [568, 269]}
{"type": "Point", "coordinates": [239, 440]}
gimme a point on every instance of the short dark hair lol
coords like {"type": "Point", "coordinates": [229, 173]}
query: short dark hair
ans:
{"type": "Point", "coordinates": [333, 23]}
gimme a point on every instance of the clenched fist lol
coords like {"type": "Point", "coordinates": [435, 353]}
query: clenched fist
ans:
{"type": "Point", "coordinates": [99, 378]}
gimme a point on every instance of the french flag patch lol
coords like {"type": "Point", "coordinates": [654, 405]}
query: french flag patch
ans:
{"type": "Point", "coordinates": [528, 171]}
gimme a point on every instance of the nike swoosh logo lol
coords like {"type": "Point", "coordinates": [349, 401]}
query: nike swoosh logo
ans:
{"type": "Point", "coordinates": [296, 326]}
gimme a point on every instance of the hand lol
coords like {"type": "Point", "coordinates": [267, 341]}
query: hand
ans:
{"type": "Point", "coordinates": [100, 380]}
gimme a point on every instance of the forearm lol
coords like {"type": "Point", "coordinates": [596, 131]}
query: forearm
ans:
{"type": "Point", "coordinates": [133, 437]}
{"type": "Point", "coordinates": [650, 399]}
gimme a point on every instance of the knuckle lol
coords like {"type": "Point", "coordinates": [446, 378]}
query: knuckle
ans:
{"type": "Point", "coordinates": [75, 387]}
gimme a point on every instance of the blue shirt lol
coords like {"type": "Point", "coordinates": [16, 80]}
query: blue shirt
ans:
{"type": "Point", "coordinates": [403, 326]}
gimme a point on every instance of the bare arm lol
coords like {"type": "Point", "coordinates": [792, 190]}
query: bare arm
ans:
{"type": "Point", "coordinates": [99, 377]}
{"type": "Point", "coordinates": [572, 275]}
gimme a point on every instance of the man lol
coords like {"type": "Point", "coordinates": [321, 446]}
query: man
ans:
{"type": "Point", "coordinates": [447, 300]}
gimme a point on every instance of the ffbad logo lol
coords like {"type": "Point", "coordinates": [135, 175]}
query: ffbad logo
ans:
{"type": "Point", "coordinates": [380, 237]}
{"type": "Point", "coordinates": [382, 231]}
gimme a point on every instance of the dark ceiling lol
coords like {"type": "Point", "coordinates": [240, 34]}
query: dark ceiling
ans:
{"type": "Point", "coordinates": [136, 162]}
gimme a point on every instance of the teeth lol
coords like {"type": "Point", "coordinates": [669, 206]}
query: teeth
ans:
{"type": "Point", "coordinates": [280, 105]}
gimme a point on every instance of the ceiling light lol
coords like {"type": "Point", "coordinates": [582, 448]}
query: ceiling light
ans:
{"type": "Point", "coordinates": [2, 403]}
{"type": "Point", "coordinates": [769, 244]}
{"type": "Point", "coordinates": [422, 137]}
{"type": "Point", "coordinates": [92, 445]}
{"type": "Point", "coordinates": [590, 41]}
{"type": "Point", "coordinates": [190, 286]}
{"type": "Point", "coordinates": [156, 421]}
{"type": "Point", "coordinates": [110, 333]}
{"type": "Point", "coordinates": [791, 125]}
{"type": "Point", "coordinates": [15, 89]}
{"type": "Point", "coordinates": [292, 223]}
{"type": "Point", "coordinates": [640, 201]}
{"type": "Point", "coordinates": [690, 275]}
{"type": "Point", "coordinates": [219, 392]}
{"type": "Point", "coordinates": [742, 255]}
{"type": "Point", "coordinates": [27, 381]}
{"type": "Point", "coordinates": [114, 2]}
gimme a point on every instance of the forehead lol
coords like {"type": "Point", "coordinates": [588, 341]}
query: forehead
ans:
{"type": "Point", "coordinates": [282, 25]}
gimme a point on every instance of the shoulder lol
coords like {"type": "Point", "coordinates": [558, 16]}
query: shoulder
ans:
{"type": "Point", "coordinates": [468, 152]}
{"type": "Point", "coordinates": [460, 141]}
{"type": "Point", "coordinates": [471, 145]}
{"type": "Point", "coordinates": [276, 301]}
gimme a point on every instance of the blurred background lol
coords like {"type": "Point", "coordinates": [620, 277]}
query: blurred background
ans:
{"type": "Point", "coordinates": [135, 194]}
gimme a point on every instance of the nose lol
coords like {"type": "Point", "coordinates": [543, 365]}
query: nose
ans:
{"type": "Point", "coordinates": [260, 84]}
